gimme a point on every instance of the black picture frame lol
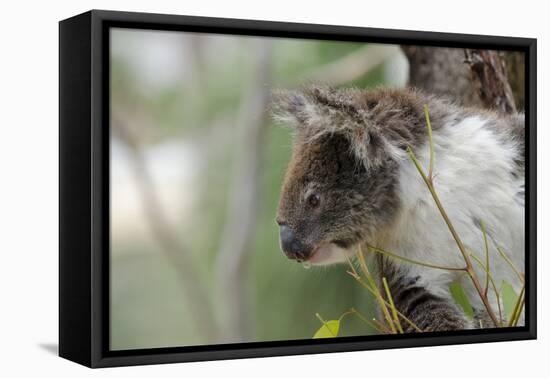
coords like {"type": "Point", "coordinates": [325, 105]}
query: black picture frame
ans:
{"type": "Point", "coordinates": [84, 187]}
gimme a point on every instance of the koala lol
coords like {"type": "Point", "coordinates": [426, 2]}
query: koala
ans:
{"type": "Point", "coordinates": [350, 182]}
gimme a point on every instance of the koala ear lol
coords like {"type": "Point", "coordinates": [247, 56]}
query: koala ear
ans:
{"type": "Point", "coordinates": [371, 147]}
{"type": "Point", "coordinates": [320, 111]}
{"type": "Point", "coordinates": [292, 107]}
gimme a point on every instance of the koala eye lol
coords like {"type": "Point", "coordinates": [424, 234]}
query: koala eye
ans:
{"type": "Point", "coordinates": [313, 200]}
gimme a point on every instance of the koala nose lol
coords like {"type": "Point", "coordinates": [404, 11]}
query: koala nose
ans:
{"type": "Point", "coordinates": [291, 246]}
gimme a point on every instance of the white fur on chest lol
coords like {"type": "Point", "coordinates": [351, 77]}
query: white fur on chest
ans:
{"type": "Point", "coordinates": [473, 178]}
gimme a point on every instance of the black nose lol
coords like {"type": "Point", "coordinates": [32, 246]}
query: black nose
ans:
{"type": "Point", "coordinates": [291, 246]}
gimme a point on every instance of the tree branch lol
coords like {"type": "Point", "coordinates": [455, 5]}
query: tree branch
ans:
{"type": "Point", "coordinates": [491, 80]}
{"type": "Point", "coordinates": [240, 221]}
{"type": "Point", "coordinates": [478, 78]}
{"type": "Point", "coordinates": [172, 247]}
{"type": "Point", "coordinates": [352, 66]}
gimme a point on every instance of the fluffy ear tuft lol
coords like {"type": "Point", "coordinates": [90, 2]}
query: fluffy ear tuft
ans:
{"type": "Point", "coordinates": [315, 112]}
{"type": "Point", "coordinates": [371, 147]}
{"type": "Point", "coordinates": [315, 108]}
{"type": "Point", "coordinates": [292, 107]}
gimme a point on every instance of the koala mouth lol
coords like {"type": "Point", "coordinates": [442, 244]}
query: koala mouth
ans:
{"type": "Point", "coordinates": [330, 253]}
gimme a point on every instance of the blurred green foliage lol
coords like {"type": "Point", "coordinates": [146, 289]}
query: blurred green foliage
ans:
{"type": "Point", "coordinates": [148, 305]}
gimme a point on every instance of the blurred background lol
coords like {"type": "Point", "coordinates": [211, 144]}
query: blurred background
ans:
{"type": "Point", "coordinates": [196, 170]}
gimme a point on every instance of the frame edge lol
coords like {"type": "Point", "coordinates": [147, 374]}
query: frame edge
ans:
{"type": "Point", "coordinates": [96, 19]}
{"type": "Point", "coordinates": [75, 338]}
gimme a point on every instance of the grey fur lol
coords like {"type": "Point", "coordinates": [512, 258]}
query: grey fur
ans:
{"type": "Point", "coordinates": [370, 121]}
{"type": "Point", "coordinates": [427, 311]}
{"type": "Point", "coordinates": [347, 143]}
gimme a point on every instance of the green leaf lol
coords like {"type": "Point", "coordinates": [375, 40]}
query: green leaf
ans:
{"type": "Point", "coordinates": [328, 329]}
{"type": "Point", "coordinates": [509, 298]}
{"type": "Point", "coordinates": [457, 291]}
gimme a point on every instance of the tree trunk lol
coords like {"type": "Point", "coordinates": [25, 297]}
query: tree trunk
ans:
{"type": "Point", "coordinates": [441, 71]}
{"type": "Point", "coordinates": [490, 78]}
{"type": "Point", "coordinates": [515, 67]}
{"type": "Point", "coordinates": [479, 78]}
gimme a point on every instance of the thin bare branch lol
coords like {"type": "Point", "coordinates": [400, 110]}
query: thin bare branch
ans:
{"type": "Point", "coordinates": [381, 302]}
{"type": "Point", "coordinates": [415, 262]}
{"type": "Point", "coordinates": [493, 284]}
{"type": "Point", "coordinates": [373, 292]}
{"type": "Point", "coordinates": [392, 305]}
{"type": "Point", "coordinates": [352, 66]}
{"type": "Point", "coordinates": [510, 263]}
{"type": "Point", "coordinates": [469, 268]}
{"type": "Point", "coordinates": [173, 248]}
{"type": "Point", "coordinates": [456, 237]}
{"type": "Point", "coordinates": [369, 322]}
{"type": "Point", "coordinates": [241, 215]}
{"type": "Point", "coordinates": [518, 308]}
{"type": "Point", "coordinates": [487, 268]}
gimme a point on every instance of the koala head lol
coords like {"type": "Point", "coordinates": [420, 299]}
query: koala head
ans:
{"type": "Point", "coordinates": [340, 185]}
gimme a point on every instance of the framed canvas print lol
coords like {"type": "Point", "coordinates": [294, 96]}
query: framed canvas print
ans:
{"type": "Point", "coordinates": [234, 188]}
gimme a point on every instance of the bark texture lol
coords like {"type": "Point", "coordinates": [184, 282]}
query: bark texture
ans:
{"type": "Point", "coordinates": [515, 67]}
{"type": "Point", "coordinates": [480, 78]}
{"type": "Point", "coordinates": [490, 78]}
{"type": "Point", "coordinates": [441, 71]}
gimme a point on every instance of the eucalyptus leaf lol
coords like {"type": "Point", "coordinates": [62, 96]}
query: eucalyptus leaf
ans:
{"type": "Point", "coordinates": [328, 330]}
{"type": "Point", "coordinates": [460, 297]}
{"type": "Point", "coordinates": [509, 299]}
